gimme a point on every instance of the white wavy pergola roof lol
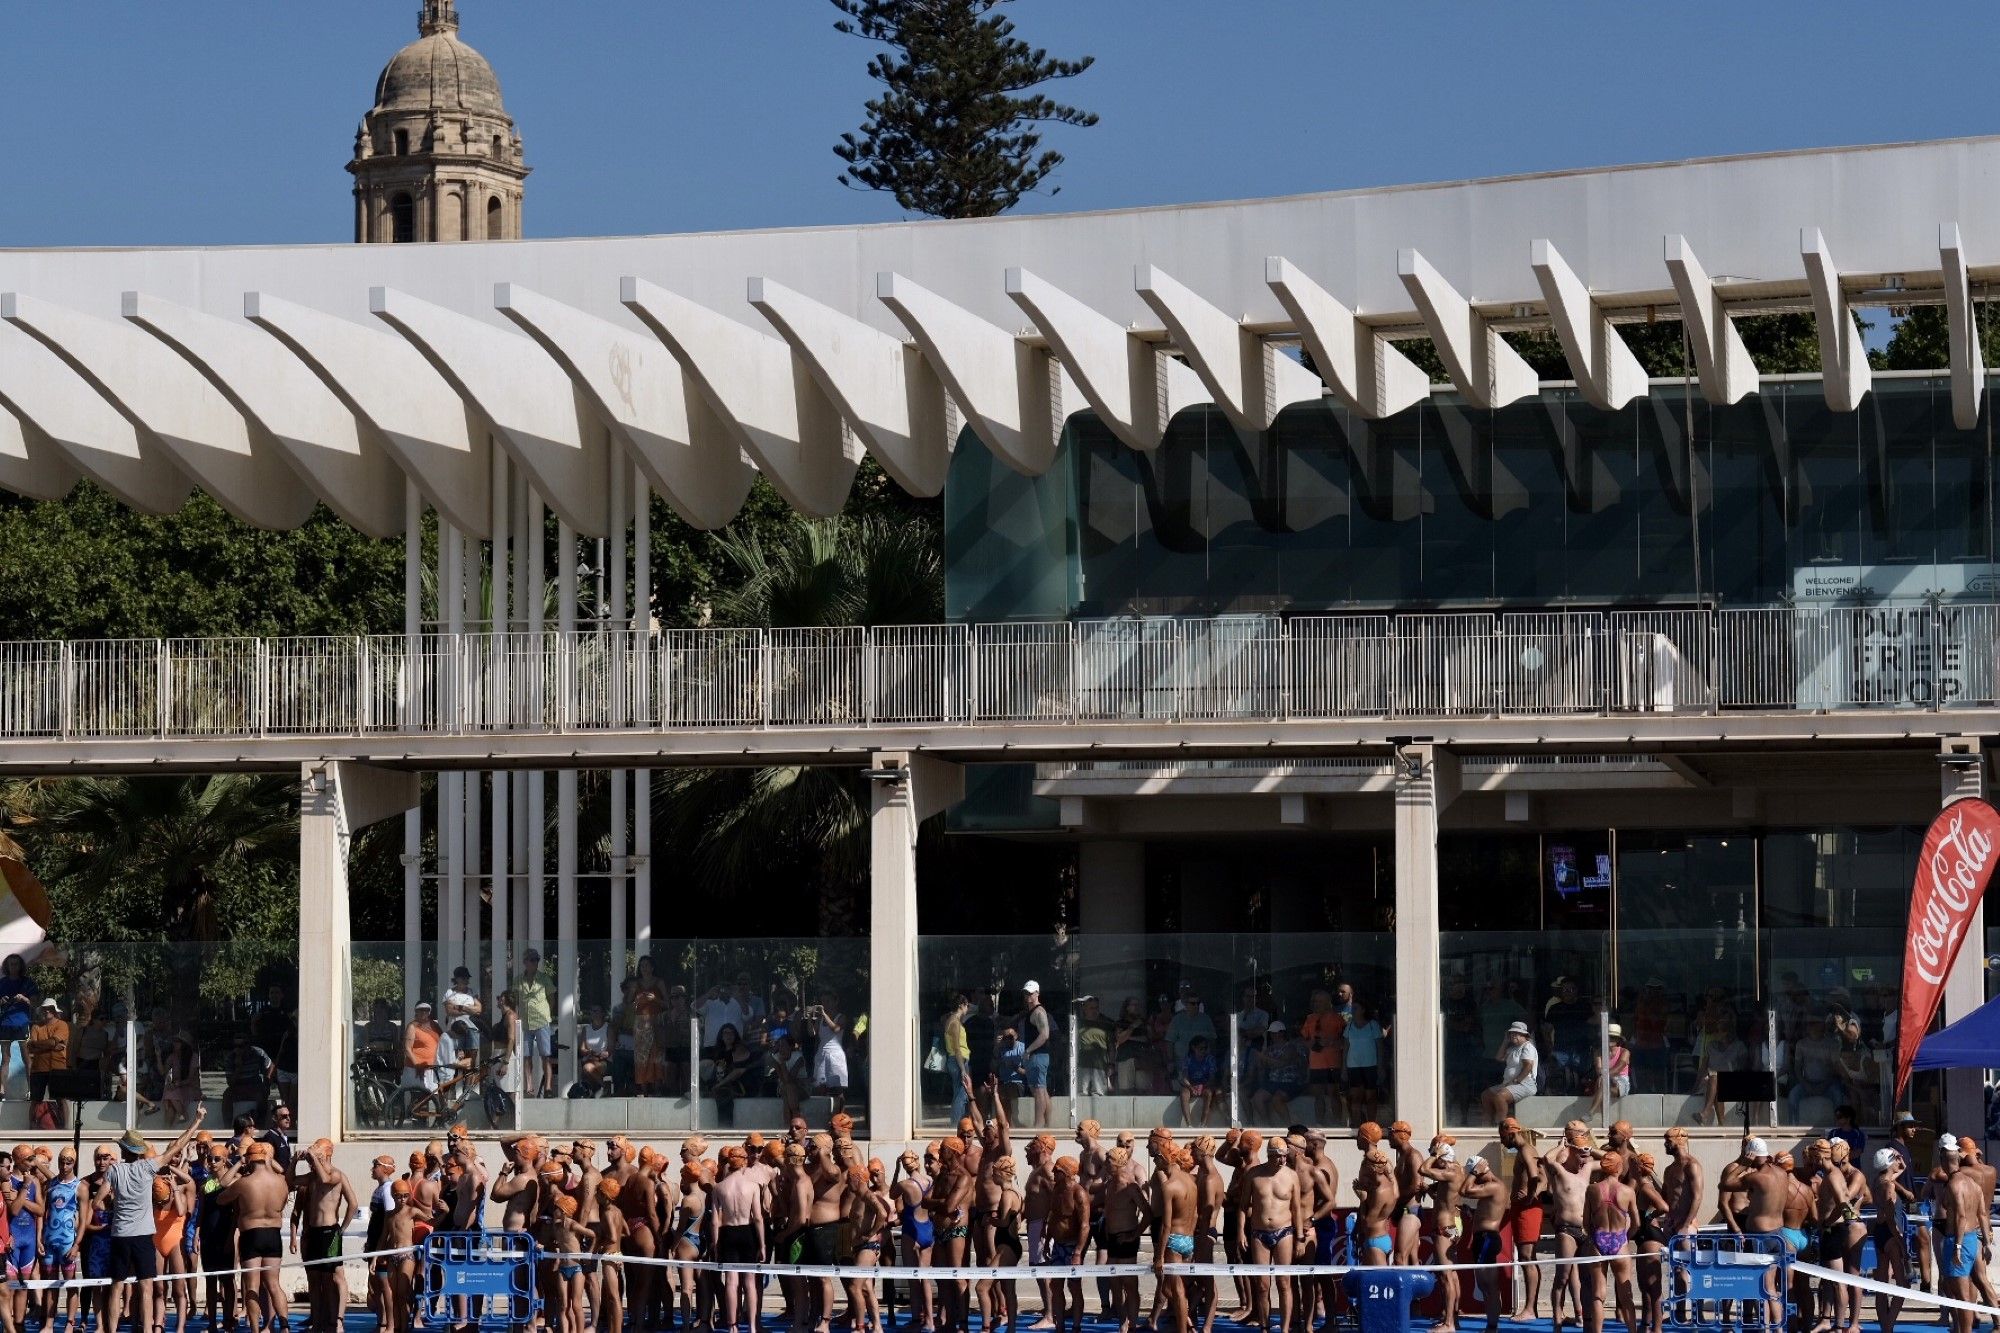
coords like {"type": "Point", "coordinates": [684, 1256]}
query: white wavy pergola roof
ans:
{"type": "Point", "coordinates": [274, 377]}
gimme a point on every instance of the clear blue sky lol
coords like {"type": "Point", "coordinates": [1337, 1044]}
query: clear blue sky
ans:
{"type": "Point", "coordinates": [227, 121]}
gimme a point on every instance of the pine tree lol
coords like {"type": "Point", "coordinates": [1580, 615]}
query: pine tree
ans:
{"type": "Point", "coordinates": [955, 132]}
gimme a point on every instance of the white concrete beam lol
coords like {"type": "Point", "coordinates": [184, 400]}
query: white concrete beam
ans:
{"type": "Point", "coordinates": [1250, 379]}
{"type": "Point", "coordinates": [389, 385]}
{"type": "Point", "coordinates": [884, 389]}
{"type": "Point", "coordinates": [1137, 388]}
{"type": "Point", "coordinates": [169, 401]}
{"type": "Point", "coordinates": [1606, 372]}
{"type": "Point", "coordinates": [1842, 357]}
{"type": "Point", "coordinates": [762, 392]}
{"type": "Point", "coordinates": [537, 413]}
{"type": "Point", "coordinates": [1727, 373]}
{"type": "Point", "coordinates": [688, 454]}
{"type": "Point", "coordinates": [1486, 370]}
{"type": "Point", "coordinates": [288, 409]}
{"type": "Point", "coordinates": [30, 464]}
{"type": "Point", "coordinates": [1968, 368]}
{"type": "Point", "coordinates": [1363, 369]}
{"type": "Point", "coordinates": [1014, 396]}
{"type": "Point", "coordinates": [74, 417]}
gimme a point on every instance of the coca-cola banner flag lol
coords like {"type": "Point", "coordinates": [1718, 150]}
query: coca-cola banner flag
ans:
{"type": "Point", "coordinates": [1952, 873]}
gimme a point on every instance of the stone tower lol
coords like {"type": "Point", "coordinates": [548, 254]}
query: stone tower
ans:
{"type": "Point", "coordinates": [438, 157]}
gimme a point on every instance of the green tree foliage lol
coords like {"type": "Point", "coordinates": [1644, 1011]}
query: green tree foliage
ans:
{"type": "Point", "coordinates": [763, 829]}
{"type": "Point", "coordinates": [955, 132]}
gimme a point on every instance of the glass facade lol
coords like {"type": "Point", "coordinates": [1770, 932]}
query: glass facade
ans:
{"type": "Point", "coordinates": [1544, 502]}
{"type": "Point", "coordinates": [1671, 957]}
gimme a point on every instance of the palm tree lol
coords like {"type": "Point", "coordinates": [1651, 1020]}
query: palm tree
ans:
{"type": "Point", "coordinates": [152, 857]}
{"type": "Point", "coordinates": [734, 826]}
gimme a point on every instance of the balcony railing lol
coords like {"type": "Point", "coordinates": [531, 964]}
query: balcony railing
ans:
{"type": "Point", "coordinates": [1255, 667]}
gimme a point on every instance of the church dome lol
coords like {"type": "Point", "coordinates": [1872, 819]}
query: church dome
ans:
{"type": "Point", "coordinates": [438, 71]}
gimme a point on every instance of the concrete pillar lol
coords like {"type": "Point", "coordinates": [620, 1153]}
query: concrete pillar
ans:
{"type": "Point", "coordinates": [904, 791]}
{"type": "Point", "coordinates": [1962, 769]}
{"type": "Point", "coordinates": [1427, 780]}
{"type": "Point", "coordinates": [1111, 921]}
{"type": "Point", "coordinates": [337, 800]}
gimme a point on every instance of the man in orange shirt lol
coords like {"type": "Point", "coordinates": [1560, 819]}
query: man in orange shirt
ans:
{"type": "Point", "coordinates": [1325, 1032]}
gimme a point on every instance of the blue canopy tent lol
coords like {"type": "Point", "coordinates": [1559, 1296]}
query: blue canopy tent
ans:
{"type": "Point", "coordinates": [1973, 1042]}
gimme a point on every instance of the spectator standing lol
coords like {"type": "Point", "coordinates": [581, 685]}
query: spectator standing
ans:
{"type": "Point", "coordinates": [17, 1014]}
{"type": "Point", "coordinates": [48, 1049]}
{"type": "Point", "coordinates": [538, 1028]}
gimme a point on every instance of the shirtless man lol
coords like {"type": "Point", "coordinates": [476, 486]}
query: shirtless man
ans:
{"type": "Point", "coordinates": [1961, 1222]}
{"type": "Point", "coordinates": [1609, 1209]}
{"type": "Point", "coordinates": [1984, 1175]}
{"type": "Point", "coordinates": [1122, 1208]}
{"type": "Point", "coordinates": [1524, 1212]}
{"type": "Point", "coordinates": [518, 1187]}
{"type": "Point", "coordinates": [1068, 1230]}
{"type": "Point", "coordinates": [1445, 1180]}
{"type": "Point", "coordinates": [1568, 1172]}
{"type": "Point", "coordinates": [258, 1194]}
{"type": "Point", "coordinates": [1208, 1192]}
{"type": "Point", "coordinates": [326, 1201]}
{"type": "Point", "coordinates": [1410, 1187]}
{"type": "Point", "coordinates": [735, 1235]}
{"type": "Point", "coordinates": [1176, 1204]}
{"type": "Point", "coordinates": [1487, 1194]}
{"type": "Point", "coordinates": [822, 1235]}
{"type": "Point", "coordinates": [1317, 1171]}
{"type": "Point", "coordinates": [1374, 1222]}
{"type": "Point", "coordinates": [1274, 1215]}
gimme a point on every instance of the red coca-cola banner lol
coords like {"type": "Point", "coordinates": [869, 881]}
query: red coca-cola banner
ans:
{"type": "Point", "coordinates": [1958, 860]}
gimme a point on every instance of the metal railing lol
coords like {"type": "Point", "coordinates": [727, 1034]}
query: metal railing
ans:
{"type": "Point", "coordinates": [1920, 658]}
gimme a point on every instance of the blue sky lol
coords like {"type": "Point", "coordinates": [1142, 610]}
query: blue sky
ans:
{"type": "Point", "coordinates": [133, 122]}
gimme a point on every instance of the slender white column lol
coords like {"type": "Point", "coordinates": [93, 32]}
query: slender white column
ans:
{"type": "Point", "coordinates": [413, 819]}
{"type": "Point", "coordinates": [566, 959]}
{"type": "Point", "coordinates": [1427, 780]}
{"type": "Point", "coordinates": [642, 780]}
{"type": "Point", "coordinates": [614, 575]}
{"type": "Point", "coordinates": [499, 613]}
{"type": "Point", "coordinates": [536, 800]}
{"type": "Point", "coordinates": [451, 786]}
{"type": "Point", "coordinates": [336, 801]}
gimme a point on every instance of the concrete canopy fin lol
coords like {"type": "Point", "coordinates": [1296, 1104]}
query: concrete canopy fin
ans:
{"type": "Point", "coordinates": [1968, 370]}
{"type": "Point", "coordinates": [689, 455]}
{"type": "Point", "coordinates": [1720, 358]}
{"type": "Point", "coordinates": [780, 417]}
{"type": "Point", "coordinates": [1250, 379]}
{"type": "Point", "coordinates": [288, 410]}
{"type": "Point", "coordinates": [52, 399]}
{"type": "Point", "coordinates": [1015, 396]}
{"type": "Point", "coordinates": [536, 411]}
{"type": "Point", "coordinates": [1137, 388]}
{"type": "Point", "coordinates": [389, 385]}
{"type": "Point", "coordinates": [1364, 369]}
{"type": "Point", "coordinates": [883, 387]}
{"type": "Point", "coordinates": [1486, 370]}
{"type": "Point", "coordinates": [168, 401]}
{"type": "Point", "coordinates": [29, 464]}
{"type": "Point", "coordinates": [1606, 372]}
{"type": "Point", "coordinates": [1842, 357]}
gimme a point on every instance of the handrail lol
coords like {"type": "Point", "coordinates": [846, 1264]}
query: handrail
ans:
{"type": "Point", "coordinates": [1928, 659]}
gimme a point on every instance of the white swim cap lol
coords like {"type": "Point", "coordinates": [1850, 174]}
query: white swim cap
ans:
{"type": "Point", "coordinates": [1883, 1158]}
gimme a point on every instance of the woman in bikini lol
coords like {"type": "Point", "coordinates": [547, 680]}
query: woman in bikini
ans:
{"type": "Point", "coordinates": [1608, 1210]}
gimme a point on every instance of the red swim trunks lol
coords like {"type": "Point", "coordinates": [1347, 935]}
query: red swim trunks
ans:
{"type": "Point", "coordinates": [1526, 1222]}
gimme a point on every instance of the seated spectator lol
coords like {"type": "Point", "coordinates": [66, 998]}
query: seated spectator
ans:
{"type": "Point", "coordinates": [1197, 1083]}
